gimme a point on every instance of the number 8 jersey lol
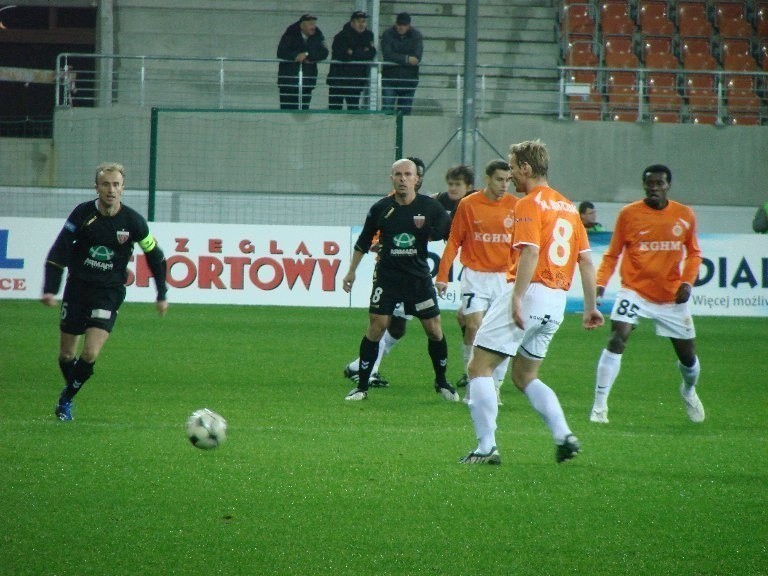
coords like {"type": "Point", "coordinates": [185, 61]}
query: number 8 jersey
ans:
{"type": "Point", "coordinates": [547, 219]}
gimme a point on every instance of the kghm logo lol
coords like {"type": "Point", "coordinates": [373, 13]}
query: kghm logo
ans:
{"type": "Point", "coordinates": [404, 240]}
{"type": "Point", "coordinates": [101, 253]}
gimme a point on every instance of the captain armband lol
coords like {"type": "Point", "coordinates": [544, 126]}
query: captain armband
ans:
{"type": "Point", "coordinates": [148, 243]}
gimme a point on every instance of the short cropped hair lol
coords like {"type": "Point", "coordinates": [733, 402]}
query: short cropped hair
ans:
{"type": "Point", "coordinates": [494, 165]}
{"type": "Point", "coordinates": [534, 153]}
{"type": "Point", "coordinates": [584, 206]}
{"type": "Point", "coordinates": [461, 172]}
{"type": "Point", "coordinates": [420, 166]}
{"type": "Point", "coordinates": [658, 168]}
{"type": "Point", "coordinates": [109, 167]}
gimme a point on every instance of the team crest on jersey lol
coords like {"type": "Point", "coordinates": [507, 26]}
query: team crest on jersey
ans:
{"type": "Point", "coordinates": [419, 220]}
{"type": "Point", "coordinates": [509, 222]}
{"type": "Point", "coordinates": [122, 236]}
{"type": "Point", "coordinates": [677, 230]}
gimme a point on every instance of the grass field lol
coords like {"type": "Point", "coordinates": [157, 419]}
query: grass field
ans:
{"type": "Point", "coordinates": [309, 484]}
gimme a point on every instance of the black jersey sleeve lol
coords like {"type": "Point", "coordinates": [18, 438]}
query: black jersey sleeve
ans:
{"type": "Point", "coordinates": [60, 254]}
{"type": "Point", "coordinates": [157, 265]}
{"type": "Point", "coordinates": [372, 224]}
{"type": "Point", "coordinates": [442, 223]}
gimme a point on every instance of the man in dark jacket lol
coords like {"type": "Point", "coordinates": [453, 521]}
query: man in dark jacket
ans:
{"type": "Point", "coordinates": [301, 47]}
{"type": "Point", "coordinates": [347, 81]}
{"type": "Point", "coordinates": [403, 45]}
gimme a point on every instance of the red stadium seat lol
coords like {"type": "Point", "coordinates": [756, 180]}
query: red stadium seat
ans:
{"type": "Point", "coordinates": [701, 93]}
{"type": "Point", "coordinates": [665, 116]}
{"type": "Point", "coordinates": [699, 117]}
{"type": "Point", "coordinates": [741, 95]}
{"type": "Point", "coordinates": [745, 119]}
{"type": "Point", "coordinates": [658, 52]}
{"type": "Point", "coordinates": [731, 20]}
{"type": "Point", "coordinates": [653, 18]}
{"type": "Point", "coordinates": [662, 92]}
{"type": "Point", "coordinates": [623, 115]}
{"type": "Point", "coordinates": [580, 52]}
{"type": "Point", "coordinates": [737, 54]}
{"type": "Point", "coordinates": [763, 52]}
{"type": "Point", "coordinates": [621, 90]}
{"type": "Point", "coordinates": [692, 19]}
{"type": "Point", "coordinates": [587, 106]}
{"type": "Point", "coordinates": [615, 18]}
{"type": "Point", "coordinates": [577, 19]}
{"type": "Point", "coordinates": [618, 53]}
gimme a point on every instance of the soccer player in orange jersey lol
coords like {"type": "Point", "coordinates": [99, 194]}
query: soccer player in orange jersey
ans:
{"type": "Point", "coordinates": [482, 229]}
{"type": "Point", "coordinates": [548, 242]}
{"type": "Point", "coordinates": [656, 238]}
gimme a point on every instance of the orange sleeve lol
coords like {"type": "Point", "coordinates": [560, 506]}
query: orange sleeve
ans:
{"type": "Point", "coordinates": [455, 238]}
{"type": "Point", "coordinates": [693, 255]}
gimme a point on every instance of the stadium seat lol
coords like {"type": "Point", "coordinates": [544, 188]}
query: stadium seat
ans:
{"type": "Point", "coordinates": [663, 93]}
{"type": "Point", "coordinates": [761, 19]}
{"type": "Point", "coordinates": [653, 18]}
{"type": "Point", "coordinates": [577, 19]}
{"type": "Point", "coordinates": [587, 106]}
{"type": "Point", "coordinates": [701, 92]}
{"type": "Point", "coordinates": [580, 52]}
{"type": "Point", "coordinates": [623, 115]}
{"type": "Point", "coordinates": [703, 117]}
{"type": "Point", "coordinates": [741, 95]}
{"type": "Point", "coordinates": [621, 90]}
{"type": "Point", "coordinates": [737, 54]}
{"type": "Point", "coordinates": [658, 52]}
{"type": "Point", "coordinates": [731, 20]}
{"type": "Point", "coordinates": [665, 117]}
{"type": "Point", "coordinates": [618, 53]}
{"type": "Point", "coordinates": [745, 119]}
{"type": "Point", "coordinates": [692, 19]}
{"type": "Point", "coordinates": [615, 18]}
{"type": "Point", "coordinates": [696, 54]}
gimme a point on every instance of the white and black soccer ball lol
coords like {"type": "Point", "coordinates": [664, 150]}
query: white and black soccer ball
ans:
{"type": "Point", "coordinates": [206, 429]}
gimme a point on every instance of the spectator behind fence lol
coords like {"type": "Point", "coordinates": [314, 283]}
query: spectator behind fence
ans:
{"type": "Point", "coordinates": [347, 81]}
{"type": "Point", "coordinates": [760, 221]}
{"type": "Point", "coordinates": [301, 47]}
{"type": "Point", "coordinates": [588, 215]}
{"type": "Point", "coordinates": [403, 45]}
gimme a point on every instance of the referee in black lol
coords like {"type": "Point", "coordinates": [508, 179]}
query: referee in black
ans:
{"type": "Point", "coordinates": [95, 245]}
{"type": "Point", "coordinates": [406, 221]}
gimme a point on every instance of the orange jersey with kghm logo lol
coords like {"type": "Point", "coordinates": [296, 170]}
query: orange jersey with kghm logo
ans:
{"type": "Point", "coordinates": [482, 228]}
{"type": "Point", "coordinates": [547, 219]}
{"type": "Point", "coordinates": [658, 248]}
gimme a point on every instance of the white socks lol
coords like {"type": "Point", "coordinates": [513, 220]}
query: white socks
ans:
{"type": "Point", "coordinates": [500, 372]}
{"type": "Point", "coordinates": [545, 402]}
{"type": "Point", "coordinates": [607, 370]}
{"type": "Point", "coordinates": [690, 375]}
{"type": "Point", "coordinates": [484, 411]}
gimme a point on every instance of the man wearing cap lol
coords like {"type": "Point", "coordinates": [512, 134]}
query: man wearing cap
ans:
{"type": "Point", "coordinates": [403, 45]}
{"type": "Point", "coordinates": [301, 47]}
{"type": "Point", "coordinates": [353, 44]}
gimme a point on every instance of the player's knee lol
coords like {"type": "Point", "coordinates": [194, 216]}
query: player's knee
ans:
{"type": "Point", "coordinates": [397, 327]}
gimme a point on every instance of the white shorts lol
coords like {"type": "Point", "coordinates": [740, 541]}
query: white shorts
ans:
{"type": "Point", "coordinates": [672, 320]}
{"type": "Point", "coordinates": [399, 311]}
{"type": "Point", "coordinates": [543, 307]}
{"type": "Point", "coordinates": [480, 289]}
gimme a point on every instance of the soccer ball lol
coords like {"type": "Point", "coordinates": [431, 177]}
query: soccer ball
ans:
{"type": "Point", "coordinates": [206, 429]}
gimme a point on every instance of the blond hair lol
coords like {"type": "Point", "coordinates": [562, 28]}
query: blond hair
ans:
{"type": "Point", "coordinates": [109, 167]}
{"type": "Point", "coordinates": [534, 153]}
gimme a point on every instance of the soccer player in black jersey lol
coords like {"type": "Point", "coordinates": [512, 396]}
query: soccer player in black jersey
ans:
{"type": "Point", "coordinates": [95, 245]}
{"type": "Point", "coordinates": [406, 222]}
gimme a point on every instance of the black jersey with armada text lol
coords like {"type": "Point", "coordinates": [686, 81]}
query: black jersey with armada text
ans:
{"type": "Point", "coordinates": [404, 232]}
{"type": "Point", "coordinates": [97, 249]}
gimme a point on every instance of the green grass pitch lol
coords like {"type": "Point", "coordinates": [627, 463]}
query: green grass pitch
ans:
{"type": "Point", "coordinates": [308, 484]}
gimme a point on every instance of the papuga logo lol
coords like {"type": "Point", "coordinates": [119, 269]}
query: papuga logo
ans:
{"type": "Point", "coordinates": [101, 253]}
{"type": "Point", "coordinates": [404, 240]}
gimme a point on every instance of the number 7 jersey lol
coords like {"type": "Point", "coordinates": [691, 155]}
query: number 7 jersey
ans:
{"type": "Point", "coordinates": [547, 219]}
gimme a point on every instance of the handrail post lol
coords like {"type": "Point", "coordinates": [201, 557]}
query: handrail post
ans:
{"type": "Point", "coordinates": [142, 82]}
{"type": "Point", "coordinates": [221, 83]}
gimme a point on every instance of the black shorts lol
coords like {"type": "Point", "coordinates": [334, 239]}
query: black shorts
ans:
{"type": "Point", "coordinates": [418, 295]}
{"type": "Point", "coordinates": [84, 306]}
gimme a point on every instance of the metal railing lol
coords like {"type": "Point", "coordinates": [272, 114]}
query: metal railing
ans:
{"type": "Point", "coordinates": [558, 91]}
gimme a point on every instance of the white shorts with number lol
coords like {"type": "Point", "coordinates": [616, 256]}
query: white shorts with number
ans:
{"type": "Point", "coordinates": [543, 310]}
{"type": "Point", "coordinates": [672, 320]}
{"type": "Point", "coordinates": [480, 289]}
